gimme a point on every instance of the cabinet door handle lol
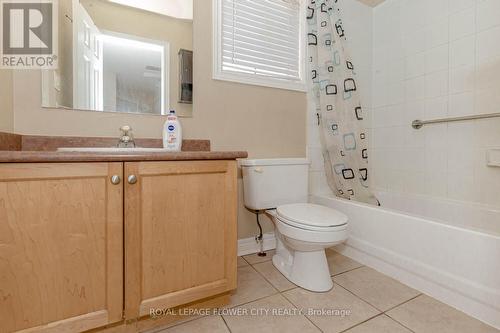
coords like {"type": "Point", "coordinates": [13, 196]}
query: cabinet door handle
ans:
{"type": "Point", "coordinates": [115, 179]}
{"type": "Point", "coordinates": [132, 179]}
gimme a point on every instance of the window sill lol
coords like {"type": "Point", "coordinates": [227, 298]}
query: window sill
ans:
{"type": "Point", "coordinates": [264, 82]}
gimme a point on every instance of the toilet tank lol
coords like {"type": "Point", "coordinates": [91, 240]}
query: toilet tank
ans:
{"type": "Point", "coordinates": [269, 183]}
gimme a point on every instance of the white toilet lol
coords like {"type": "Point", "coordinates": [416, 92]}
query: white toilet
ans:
{"type": "Point", "coordinates": [303, 230]}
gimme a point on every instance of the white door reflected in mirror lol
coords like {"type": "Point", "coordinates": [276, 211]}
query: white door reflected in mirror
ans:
{"type": "Point", "coordinates": [132, 61]}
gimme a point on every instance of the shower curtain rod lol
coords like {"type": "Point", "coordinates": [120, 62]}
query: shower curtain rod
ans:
{"type": "Point", "coordinates": [418, 124]}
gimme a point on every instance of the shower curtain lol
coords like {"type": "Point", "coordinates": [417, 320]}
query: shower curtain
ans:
{"type": "Point", "coordinates": [336, 99]}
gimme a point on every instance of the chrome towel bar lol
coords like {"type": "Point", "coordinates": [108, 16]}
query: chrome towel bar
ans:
{"type": "Point", "coordinates": [418, 124]}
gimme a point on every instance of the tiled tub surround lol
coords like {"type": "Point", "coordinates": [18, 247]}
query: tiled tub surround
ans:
{"type": "Point", "coordinates": [431, 58]}
{"type": "Point", "coordinates": [377, 304]}
{"type": "Point", "coordinates": [435, 59]}
{"type": "Point", "coordinates": [425, 59]}
{"type": "Point", "coordinates": [446, 249]}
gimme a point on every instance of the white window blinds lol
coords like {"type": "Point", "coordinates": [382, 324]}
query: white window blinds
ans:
{"type": "Point", "coordinates": [261, 38]}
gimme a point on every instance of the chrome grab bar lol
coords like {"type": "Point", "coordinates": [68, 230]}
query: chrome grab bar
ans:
{"type": "Point", "coordinates": [418, 124]}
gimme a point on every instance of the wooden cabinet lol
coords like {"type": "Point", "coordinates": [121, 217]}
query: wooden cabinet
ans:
{"type": "Point", "coordinates": [61, 248]}
{"type": "Point", "coordinates": [180, 233]}
{"type": "Point", "coordinates": [80, 249]}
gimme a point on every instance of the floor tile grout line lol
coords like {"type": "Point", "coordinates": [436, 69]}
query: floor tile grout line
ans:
{"type": "Point", "coordinates": [282, 295]}
{"type": "Point", "coordinates": [295, 286]}
{"type": "Point", "coordinates": [225, 322]}
{"type": "Point", "coordinates": [284, 291]}
{"type": "Point", "coordinates": [272, 285]}
{"type": "Point", "coordinates": [358, 297]}
{"type": "Point", "coordinates": [180, 322]}
{"type": "Point", "coordinates": [296, 306]}
{"type": "Point", "coordinates": [400, 323]}
{"type": "Point", "coordinates": [268, 258]}
{"type": "Point", "coordinates": [382, 311]}
{"type": "Point", "coordinates": [361, 323]}
{"type": "Point", "coordinates": [332, 276]}
{"type": "Point", "coordinates": [280, 291]}
{"type": "Point", "coordinates": [397, 306]}
{"type": "Point", "coordinates": [255, 300]}
{"type": "Point", "coordinates": [349, 270]}
{"type": "Point", "coordinates": [411, 299]}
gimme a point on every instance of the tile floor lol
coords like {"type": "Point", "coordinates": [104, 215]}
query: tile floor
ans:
{"type": "Point", "coordinates": [365, 301]}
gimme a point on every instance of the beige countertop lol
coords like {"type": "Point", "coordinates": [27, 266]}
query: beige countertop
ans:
{"type": "Point", "coordinates": [54, 156]}
{"type": "Point", "coordinates": [16, 148]}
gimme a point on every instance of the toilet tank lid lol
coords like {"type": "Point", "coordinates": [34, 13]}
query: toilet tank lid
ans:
{"type": "Point", "coordinates": [273, 161]}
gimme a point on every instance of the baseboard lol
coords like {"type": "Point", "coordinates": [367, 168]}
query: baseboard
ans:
{"type": "Point", "coordinates": [250, 246]}
{"type": "Point", "coordinates": [426, 279]}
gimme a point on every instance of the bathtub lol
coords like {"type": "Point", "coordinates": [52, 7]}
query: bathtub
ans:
{"type": "Point", "coordinates": [446, 249]}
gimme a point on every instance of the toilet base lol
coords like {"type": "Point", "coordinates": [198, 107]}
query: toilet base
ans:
{"type": "Point", "coordinates": [308, 270]}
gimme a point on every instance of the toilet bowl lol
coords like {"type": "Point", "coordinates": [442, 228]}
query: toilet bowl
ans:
{"type": "Point", "coordinates": [303, 231]}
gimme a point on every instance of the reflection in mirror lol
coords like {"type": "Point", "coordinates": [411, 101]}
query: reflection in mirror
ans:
{"type": "Point", "coordinates": [123, 56]}
{"type": "Point", "coordinates": [133, 75]}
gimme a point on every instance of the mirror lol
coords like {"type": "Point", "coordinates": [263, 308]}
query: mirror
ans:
{"type": "Point", "coordinates": [132, 56]}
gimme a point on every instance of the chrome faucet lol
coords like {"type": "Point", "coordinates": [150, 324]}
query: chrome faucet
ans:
{"type": "Point", "coordinates": [126, 140]}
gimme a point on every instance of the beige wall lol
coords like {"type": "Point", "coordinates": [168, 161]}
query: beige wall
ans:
{"type": "Point", "coordinates": [266, 122]}
{"type": "Point", "coordinates": [6, 107]}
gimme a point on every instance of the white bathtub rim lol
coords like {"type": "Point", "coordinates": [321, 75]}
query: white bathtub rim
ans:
{"type": "Point", "coordinates": [480, 205]}
{"type": "Point", "coordinates": [321, 197]}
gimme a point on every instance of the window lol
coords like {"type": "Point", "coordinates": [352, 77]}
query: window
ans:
{"type": "Point", "coordinates": [259, 42]}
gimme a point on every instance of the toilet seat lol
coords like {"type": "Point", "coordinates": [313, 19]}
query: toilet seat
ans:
{"type": "Point", "coordinates": [311, 217]}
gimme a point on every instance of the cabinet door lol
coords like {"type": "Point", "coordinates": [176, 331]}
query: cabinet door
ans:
{"type": "Point", "coordinates": [61, 248]}
{"type": "Point", "coordinates": [180, 233]}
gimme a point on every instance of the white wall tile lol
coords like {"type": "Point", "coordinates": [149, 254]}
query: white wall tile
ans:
{"type": "Point", "coordinates": [436, 183]}
{"type": "Point", "coordinates": [415, 65]}
{"type": "Point", "coordinates": [415, 88]}
{"type": "Point", "coordinates": [487, 44]}
{"type": "Point", "coordinates": [414, 41]}
{"type": "Point", "coordinates": [436, 10]}
{"type": "Point", "coordinates": [461, 135]}
{"type": "Point", "coordinates": [459, 5]}
{"type": "Point", "coordinates": [461, 104]}
{"type": "Point", "coordinates": [461, 184]}
{"type": "Point", "coordinates": [437, 33]}
{"type": "Point", "coordinates": [436, 84]}
{"type": "Point", "coordinates": [436, 59]}
{"type": "Point", "coordinates": [462, 79]}
{"type": "Point", "coordinates": [487, 100]}
{"type": "Point", "coordinates": [462, 24]}
{"type": "Point", "coordinates": [488, 74]}
{"type": "Point", "coordinates": [487, 14]}
{"type": "Point", "coordinates": [436, 107]}
{"type": "Point", "coordinates": [414, 110]}
{"type": "Point", "coordinates": [462, 52]}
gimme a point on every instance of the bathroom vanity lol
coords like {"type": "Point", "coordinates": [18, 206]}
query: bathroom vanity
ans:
{"type": "Point", "coordinates": [89, 240]}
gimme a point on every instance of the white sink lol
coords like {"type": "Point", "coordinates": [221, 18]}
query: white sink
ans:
{"type": "Point", "coordinates": [111, 150]}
